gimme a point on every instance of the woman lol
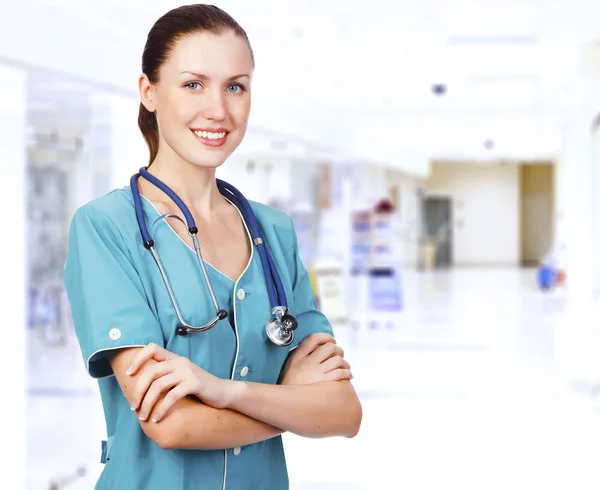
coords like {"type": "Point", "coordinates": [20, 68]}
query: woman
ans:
{"type": "Point", "coordinates": [205, 410]}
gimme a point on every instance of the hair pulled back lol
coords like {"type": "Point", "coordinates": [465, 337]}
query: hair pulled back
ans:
{"type": "Point", "coordinates": [162, 38]}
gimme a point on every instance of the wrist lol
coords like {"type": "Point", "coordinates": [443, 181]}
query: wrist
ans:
{"type": "Point", "coordinates": [236, 391]}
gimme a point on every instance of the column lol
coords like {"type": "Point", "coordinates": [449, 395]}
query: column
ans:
{"type": "Point", "coordinates": [576, 174]}
{"type": "Point", "coordinates": [596, 198]}
{"type": "Point", "coordinates": [13, 252]}
{"type": "Point", "coordinates": [578, 186]}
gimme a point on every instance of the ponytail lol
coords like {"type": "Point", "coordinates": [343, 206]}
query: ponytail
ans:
{"type": "Point", "coordinates": [149, 128]}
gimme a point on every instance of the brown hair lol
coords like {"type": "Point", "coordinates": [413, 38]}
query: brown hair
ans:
{"type": "Point", "coordinates": [163, 37]}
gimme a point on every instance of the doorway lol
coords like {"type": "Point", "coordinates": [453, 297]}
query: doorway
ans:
{"type": "Point", "coordinates": [537, 212]}
{"type": "Point", "coordinates": [438, 227]}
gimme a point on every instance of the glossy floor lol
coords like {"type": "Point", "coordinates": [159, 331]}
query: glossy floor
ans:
{"type": "Point", "coordinates": [482, 382]}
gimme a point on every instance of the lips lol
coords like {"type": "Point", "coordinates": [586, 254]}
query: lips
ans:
{"type": "Point", "coordinates": [211, 137]}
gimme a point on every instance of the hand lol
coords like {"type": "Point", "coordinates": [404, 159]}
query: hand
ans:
{"type": "Point", "coordinates": [176, 375]}
{"type": "Point", "coordinates": [317, 359]}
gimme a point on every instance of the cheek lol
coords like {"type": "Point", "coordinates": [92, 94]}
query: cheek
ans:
{"type": "Point", "coordinates": [176, 108]}
{"type": "Point", "coordinates": [240, 111]}
{"type": "Point", "coordinates": [174, 118]}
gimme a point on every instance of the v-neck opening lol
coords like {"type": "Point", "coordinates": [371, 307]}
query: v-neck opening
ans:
{"type": "Point", "coordinates": [248, 237]}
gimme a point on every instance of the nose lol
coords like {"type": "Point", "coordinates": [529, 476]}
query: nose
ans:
{"type": "Point", "coordinates": [215, 106]}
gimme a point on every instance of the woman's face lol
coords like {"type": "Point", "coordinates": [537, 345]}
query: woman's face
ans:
{"type": "Point", "coordinates": [202, 99]}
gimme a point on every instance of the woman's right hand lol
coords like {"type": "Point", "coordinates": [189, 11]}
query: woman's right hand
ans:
{"type": "Point", "coordinates": [317, 359]}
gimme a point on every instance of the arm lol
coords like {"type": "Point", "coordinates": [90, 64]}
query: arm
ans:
{"type": "Point", "coordinates": [313, 409]}
{"type": "Point", "coordinates": [157, 384]}
{"type": "Point", "coordinates": [316, 410]}
{"type": "Point", "coordinates": [191, 424]}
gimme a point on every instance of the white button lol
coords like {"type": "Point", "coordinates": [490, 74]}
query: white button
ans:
{"type": "Point", "coordinates": [115, 334]}
{"type": "Point", "coordinates": [244, 371]}
{"type": "Point", "coordinates": [241, 294]}
{"type": "Point", "coordinates": [237, 451]}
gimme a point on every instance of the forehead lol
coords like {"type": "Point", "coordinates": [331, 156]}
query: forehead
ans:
{"type": "Point", "coordinates": [215, 55]}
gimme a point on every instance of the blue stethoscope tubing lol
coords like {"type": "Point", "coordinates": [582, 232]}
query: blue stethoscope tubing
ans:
{"type": "Point", "coordinates": [283, 323]}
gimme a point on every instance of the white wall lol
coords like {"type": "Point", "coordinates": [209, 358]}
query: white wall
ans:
{"type": "Point", "coordinates": [596, 204]}
{"type": "Point", "coordinates": [13, 250]}
{"type": "Point", "coordinates": [485, 209]}
{"type": "Point", "coordinates": [36, 35]}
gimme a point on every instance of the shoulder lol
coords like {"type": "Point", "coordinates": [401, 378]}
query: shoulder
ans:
{"type": "Point", "coordinates": [112, 205]}
{"type": "Point", "coordinates": [109, 212]}
{"type": "Point", "coordinates": [275, 222]}
{"type": "Point", "coordinates": [269, 214]}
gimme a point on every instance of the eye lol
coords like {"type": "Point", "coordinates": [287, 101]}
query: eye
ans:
{"type": "Point", "coordinates": [193, 86]}
{"type": "Point", "coordinates": [237, 88]}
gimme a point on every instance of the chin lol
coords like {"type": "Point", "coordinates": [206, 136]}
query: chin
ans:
{"type": "Point", "coordinates": [210, 161]}
{"type": "Point", "coordinates": [211, 157]}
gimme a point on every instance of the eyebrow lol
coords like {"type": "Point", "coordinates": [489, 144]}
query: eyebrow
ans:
{"type": "Point", "coordinates": [206, 77]}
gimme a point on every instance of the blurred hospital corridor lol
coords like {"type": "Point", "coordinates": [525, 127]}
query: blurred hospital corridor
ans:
{"type": "Point", "coordinates": [465, 390]}
{"type": "Point", "coordinates": [429, 169]}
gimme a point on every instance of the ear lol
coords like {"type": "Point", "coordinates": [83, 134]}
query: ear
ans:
{"type": "Point", "coordinates": [146, 93]}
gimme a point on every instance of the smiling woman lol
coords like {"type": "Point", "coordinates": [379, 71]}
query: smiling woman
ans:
{"type": "Point", "coordinates": [177, 88]}
{"type": "Point", "coordinates": [203, 409]}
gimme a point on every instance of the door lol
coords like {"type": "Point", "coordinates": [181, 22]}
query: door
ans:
{"type": "Point", "coordinates": [438, 226]}
{"type": "Point", "coordinates": [537, 214]}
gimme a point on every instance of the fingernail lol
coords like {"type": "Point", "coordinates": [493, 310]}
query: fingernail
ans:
{"type": "Point", "coordinates": [142, 416]}
{"type": "Point", "coordinates": [133, 405]}
{"type": "Point", "coordinates": [156, 418]}
{"type": "Point", "coordinates": [129, 370]}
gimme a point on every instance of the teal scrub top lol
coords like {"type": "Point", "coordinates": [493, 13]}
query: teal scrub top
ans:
{"type": "Point", "coordinates": [118, 299]}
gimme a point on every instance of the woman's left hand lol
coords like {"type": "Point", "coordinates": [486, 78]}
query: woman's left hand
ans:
{"type": "Point", "coordinates": [176, 375]}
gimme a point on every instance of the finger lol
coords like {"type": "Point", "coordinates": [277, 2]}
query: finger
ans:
{"type": "Point", "coordinates": [148, 376]}
{"type": "Point", "coordinates": [157, 388]}
{"type": "Point", "coordinates": [150, 351]}
{"type": "Point", "coordinates": [339, 375]}
{"type": "Point", "coordinates": [335, 362]}
{"type": "Point", "coordinates": [327, 351]}
{"type": "Point", "coordinates": [176, 394]}
{"type": "Point", "coordinates": [310, 343]}
{"type": "Point", "coordinates": [145, 353]}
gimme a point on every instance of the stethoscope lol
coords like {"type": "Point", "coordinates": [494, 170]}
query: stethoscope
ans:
{"type": "Point", "coordinates": [280, 328]}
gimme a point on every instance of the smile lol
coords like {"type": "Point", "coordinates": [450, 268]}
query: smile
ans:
{"type": "Point", "coordinates": [211, 138]}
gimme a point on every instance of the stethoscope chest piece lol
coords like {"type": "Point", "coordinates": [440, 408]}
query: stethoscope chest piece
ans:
{"type": "Point", "coordinates": [280, 328]}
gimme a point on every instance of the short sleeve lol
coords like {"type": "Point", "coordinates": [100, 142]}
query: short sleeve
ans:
{"type": "Point", "coordinates": [105, 292]}
{"type": "Point", "coordinates": [306, 309]}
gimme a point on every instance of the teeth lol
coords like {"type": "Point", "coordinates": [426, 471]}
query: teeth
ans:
{"type": "Point", "coordinates": [209, 135]}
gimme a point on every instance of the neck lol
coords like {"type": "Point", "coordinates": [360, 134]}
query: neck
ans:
{"type": "Point", "coordinates": [195, 186]}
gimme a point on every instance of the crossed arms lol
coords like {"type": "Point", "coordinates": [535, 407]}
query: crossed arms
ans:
{"type": "Point", "coordinates": [196, 410]}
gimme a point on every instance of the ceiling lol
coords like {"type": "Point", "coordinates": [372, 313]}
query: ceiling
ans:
{"type": "Point", "coordinates": [379, 78]}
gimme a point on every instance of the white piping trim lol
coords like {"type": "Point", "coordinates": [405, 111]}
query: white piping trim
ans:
{"type": "Point", "coordinates": [184, 242]}
{"type": "Point", "coordinates": [237, 338]}
{"type": "Point", "coordinates": [225, 471]}
{"type": "Point", "coordinates": [87, 363]}
{"type": "Point", "coordinates": [237, 351]}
